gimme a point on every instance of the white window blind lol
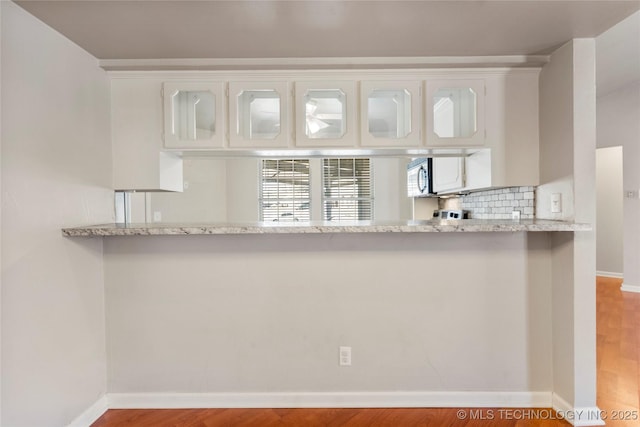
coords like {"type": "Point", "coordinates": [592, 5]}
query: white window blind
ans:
{"type": "Point", "coordinates": [285, 190]}
{"type": "Point", "coordinates": [348, 190]}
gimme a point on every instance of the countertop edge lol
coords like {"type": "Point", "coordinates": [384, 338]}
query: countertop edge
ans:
{"type": "Point", "coordinates": [430, 226]}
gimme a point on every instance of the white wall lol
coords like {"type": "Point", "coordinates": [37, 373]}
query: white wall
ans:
{"type": "Point", "coordinates": [618, 124]}
{"type": "Point", "coordinates": [609, 208]}
{"type": "Point", "coordinates": [618, 77]}
{"type": "Point", "coordinates": [216, 190]}
{"type": "Point", "coordinates": [204, 198]}
{"type": "Point", "coordinates": [556, 136]}
{"type": "Point", "coordinates": [618, 59]}
{"type": "Point", "coordinates": [137, 124]}
{"type": "Point", "coordinates": [56, 172]}
{"type": "Point", "coordinates": [391, 202]}
{"type": "Point", "coordinates": [0, 213]}
{"type": "Point", "coordinates": [227, 189]}
{"type": "Point", "coordinates": [567, 165]}
{"type": "Point", "coordinates": [243, 190]}
{"type": "Point", "coordinates": [267, 313]}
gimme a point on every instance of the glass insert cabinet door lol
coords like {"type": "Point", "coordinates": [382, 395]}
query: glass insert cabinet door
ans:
{"type": "Point", "coordinates": [325, 114]}
{"type": "Point", "coordinates": [193, 115]}
{"type": "Point", "coordinates": [391, 113]}
{"type": "Point", "coordinates": [455, 112]}
{"type": "Point", "coordinates": [258, 113]}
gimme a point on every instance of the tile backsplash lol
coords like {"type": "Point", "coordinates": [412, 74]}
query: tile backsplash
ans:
{"type": "Point", "coordinates": [496, 204]}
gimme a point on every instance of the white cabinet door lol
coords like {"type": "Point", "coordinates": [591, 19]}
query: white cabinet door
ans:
{"type": "Point", "coordinates": [325, 114]}
{"type": "Point", "coordinates": [455, 113]}
{"type": "Point", "coordinates": [390, 113]}
{"type": "Point", "coordinates": [194, 115]}
{"type": "Point", "coordinates": [448, 174]}
{"type": "Point", "coordinates": [258, 114]}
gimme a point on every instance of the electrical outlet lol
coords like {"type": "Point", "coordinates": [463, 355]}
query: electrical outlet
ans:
{"type": "Point", "coordinates": [345, 356]}
{"type": "Point", "coordinates": [556, 202]}
{"type": "Point", "coordinates": [157, 216]}
{"type": "Point", "coordinates": [515, 215]}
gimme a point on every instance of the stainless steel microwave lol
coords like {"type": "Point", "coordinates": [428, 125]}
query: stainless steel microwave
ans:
{"type": "Point", "coordinates": [420, 178]}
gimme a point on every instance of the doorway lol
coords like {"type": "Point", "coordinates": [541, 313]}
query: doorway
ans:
{"type": "Point", "coordinates": [609, 212]}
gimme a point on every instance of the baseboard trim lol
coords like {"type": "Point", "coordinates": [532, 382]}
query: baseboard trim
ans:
{"type": "Point", "coordinates": [91, 414]}
{"type": "Point", "coordinates": [313, 400]}
{"type": "Point", "coordinates": [630, 288]}
{"type": "Point", "coordinates": [578, 417]}
{"type": "Point", "coordinates": [330, 400]}
{"type": "Point", "coordinates": [611, 274]}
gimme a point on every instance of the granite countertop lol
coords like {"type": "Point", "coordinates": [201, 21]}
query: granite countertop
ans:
{"type": "Point", "coordinates": [426, 226]}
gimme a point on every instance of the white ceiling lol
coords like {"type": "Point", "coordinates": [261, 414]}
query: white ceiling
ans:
{"type": "Point", "coordinates": [146, 29]}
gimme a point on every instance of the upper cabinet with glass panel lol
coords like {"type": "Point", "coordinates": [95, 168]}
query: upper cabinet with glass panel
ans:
{"type": "Point", "coordinates": [455, 113]}
{"type": "Point", "coordinates": [390, 113]}
{"type": "Point", "coordinates": [258, 114]}
{"type": "Point", "coordinates": [325, 114]}
{"type": "Point", "coordinates": [193, 115]}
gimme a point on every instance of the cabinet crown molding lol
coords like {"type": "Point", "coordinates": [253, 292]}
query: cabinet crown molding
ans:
{"type": "Point", "coordinates": [332, 63]}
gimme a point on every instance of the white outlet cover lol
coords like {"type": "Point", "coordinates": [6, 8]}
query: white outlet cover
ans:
{"type": "Point", "coordinates": [345, 356]}
{"type": "Point", "coordinates": [157, 216]}
{"type": "Point", "coordinates": [556, 202]}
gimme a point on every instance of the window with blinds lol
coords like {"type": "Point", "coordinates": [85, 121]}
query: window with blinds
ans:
{"type": "Point", "coordinates": [285, 190]}
{"type": "Point", "coordinates": [347, 190]}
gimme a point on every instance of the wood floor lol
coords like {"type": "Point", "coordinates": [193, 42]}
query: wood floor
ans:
{"type": "Point", "coordinates": [618, 344]}
{"type": "Point", "coordinates": [618, 341]}
{"type": "Point", "coordinates": [398, 417]}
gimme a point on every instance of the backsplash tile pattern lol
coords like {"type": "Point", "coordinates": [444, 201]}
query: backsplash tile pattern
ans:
{"type": "Point", "coordinates": [497, 204]}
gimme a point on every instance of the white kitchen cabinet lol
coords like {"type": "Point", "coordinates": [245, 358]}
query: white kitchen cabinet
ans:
{"type": "Point", "coordinates": [136, 134]}
{"type": "Point", "coordinates": [455, 113]}
{"type": "Point", "coordinates": [510, 155]}
{"type": "Point", "coordinates": [325, 114]}
{"type": "Point", "coordinates": [448, 174]}
{"type": "Point", "coordinates": [258, 114]}
{"type": "Point", "coordinates": [390, 113]}
{"type": "Point", "coordinates": [194, 115]}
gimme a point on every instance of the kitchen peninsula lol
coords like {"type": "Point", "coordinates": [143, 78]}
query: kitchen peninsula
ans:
{"type": "Point", "coordinates": [424, 226]}
{"type": "Point", "coordinates": [472, 313]}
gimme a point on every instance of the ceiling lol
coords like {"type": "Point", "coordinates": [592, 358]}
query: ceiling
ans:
{"type": "Point", "coordinates": [146, 29]}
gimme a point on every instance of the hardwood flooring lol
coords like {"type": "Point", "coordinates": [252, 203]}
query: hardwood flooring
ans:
{"type": "Point", "coordinates": [370, 417]}
{"type": "Point", "coordinates": [618, 365]}
{"type": "Point", "coordinates": [618, 352]}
